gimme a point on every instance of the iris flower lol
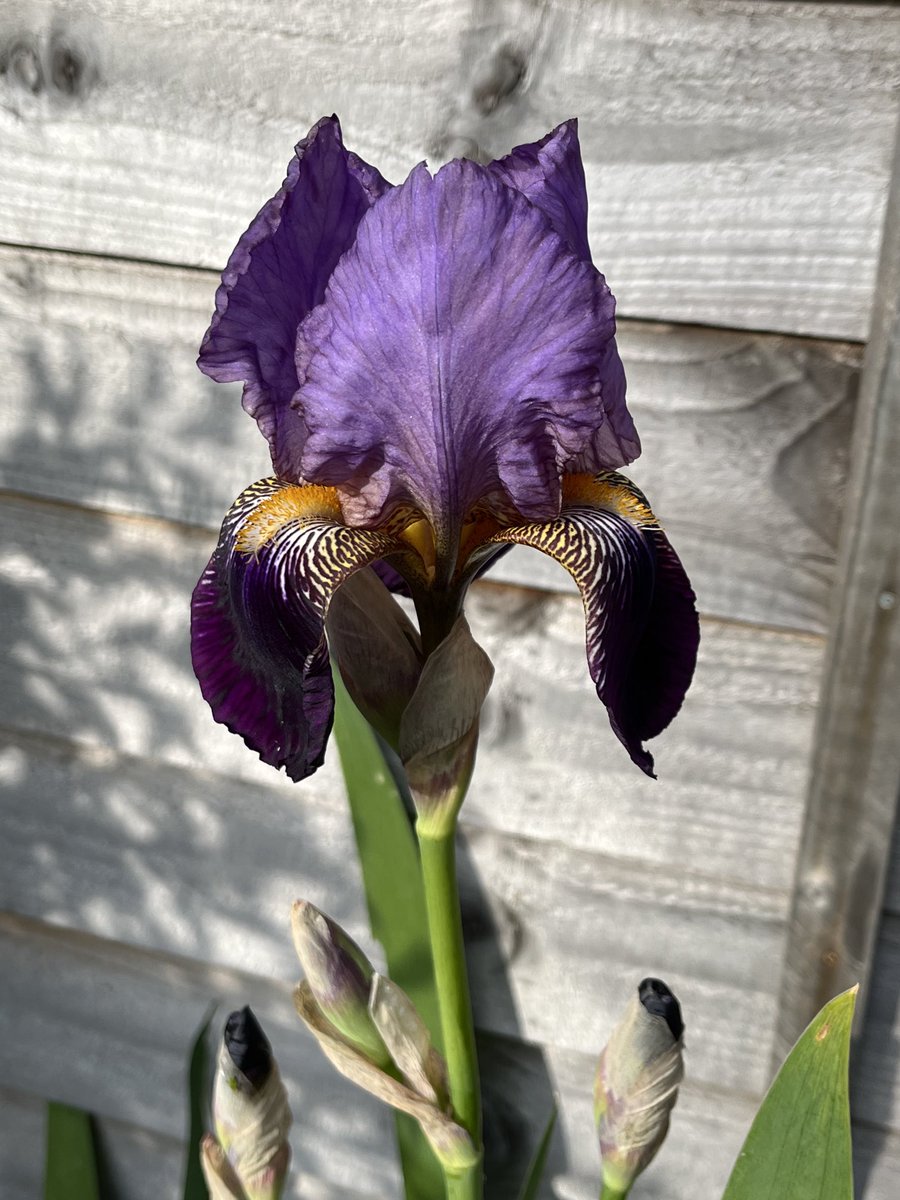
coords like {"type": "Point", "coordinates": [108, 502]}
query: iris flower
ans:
{"type": "Point", "coordinates": [435, 370]}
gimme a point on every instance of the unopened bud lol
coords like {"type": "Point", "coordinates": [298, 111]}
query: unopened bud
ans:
{"type": "Point", "coordinates": [439, 729]}
{"type": "Point", "coordinates": [637, 1084]}
{"type": "Point", "coordinates": [377, 649]}
{"type": "Point", "coordinates": [251, 1114]}
{"type": "Point", "coordinates": [339, 977]}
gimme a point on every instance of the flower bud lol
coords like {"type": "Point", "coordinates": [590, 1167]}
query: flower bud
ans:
{"type": "Point", "coordinates": [421, 1093]}
{"type": "Point", "coordinates": [251, 1116]}
{"type": "Point", "coordinates": [377, 649]}
{"type": "Point", "coordinates": [439, 729]}
{"type": "Point", "coordinates": [339, 977]}
{"type": "Point", "coordinates": [221, 1181]}
{"type": "Point", "coordinates": [637, 1084]}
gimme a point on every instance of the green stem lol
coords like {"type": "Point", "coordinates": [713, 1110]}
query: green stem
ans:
{"type": "Point", "coordinates": [612, 1193]}
{"type": "Point", "coordinates": [464, 1187]}
{"type": "Point", "coordinates": [445, 929]}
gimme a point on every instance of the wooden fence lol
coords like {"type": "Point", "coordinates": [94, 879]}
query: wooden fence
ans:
{"type": "Point", "coordinates": [739, 165]}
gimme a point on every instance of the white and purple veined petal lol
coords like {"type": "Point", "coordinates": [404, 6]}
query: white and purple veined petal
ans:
{"type": "Point", "coordinates": [641, 624]}
{"type": "Point", "coordinates": [258, 613]}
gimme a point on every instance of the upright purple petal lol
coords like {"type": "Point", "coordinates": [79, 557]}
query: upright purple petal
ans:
{"type": "Point", "coordinates": [642, 630]}
{"type": "Point", "coordinates": [463, 349]}
{"type": "Point", "coordinates": [257, 619]}
{"type": "Point", "coordinates": [550, 173]}
{"type": "Point", "coordinates": [277, 273]}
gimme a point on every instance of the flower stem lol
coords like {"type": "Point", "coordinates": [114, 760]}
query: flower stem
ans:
{"type": "Point", "coordinates": [612, 1193]}
{"type": "Point", "coordinates": [457, 1027]}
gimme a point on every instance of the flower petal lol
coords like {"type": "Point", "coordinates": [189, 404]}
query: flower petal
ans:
{"type": "Point", "coordinates": [551, 175]}
{"type": "Point", "coordinates": [277, 273]}
{"type": "Point", "coordinates": [462, 349]}
{"type": "Point", "coordinates": [642, 626]}
{"type": "Point", "coordinates": [257, 618]}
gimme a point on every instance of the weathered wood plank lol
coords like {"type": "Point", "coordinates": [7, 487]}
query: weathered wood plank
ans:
{"type": "Point", "coordinates": [95, 614]}
{"type": "Point", "coordinates": [876, 1070]}
{"type": "Point", "coordinates": [717, 135]}
{"type": "Point", "coordinates": [131, 1014]}
{"type": "Point", "coordinates": [115, 415]}
{"type": "Point", "coordinates": [855, 773]}
{"type": "Point", "coordinates": [191, 864]}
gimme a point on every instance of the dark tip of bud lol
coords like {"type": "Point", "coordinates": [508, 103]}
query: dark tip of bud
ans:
{"type": "Point", "coordinates": [660, 1002]}
{"type": "Point", "coordinates": [248, 1046]}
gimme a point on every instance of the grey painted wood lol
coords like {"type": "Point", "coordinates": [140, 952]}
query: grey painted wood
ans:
{"type": "Point", "coordinates": [95, 612]}
{"type": "Point", "coordinates": [877, 1065]}
{"type": "Point", "coordinates": [130, 1015]}
{"type": "Point", "coordinates": [855, 773]}
{"type": "Point", "coordinates": [737, 153]}
{"type": "Point", "coordinates": [201, 866]}
{"type": "Point", "coordinates": [113, 413]}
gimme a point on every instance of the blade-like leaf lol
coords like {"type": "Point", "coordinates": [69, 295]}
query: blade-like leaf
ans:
{"type": "Point", "coordinates": [798, 1147]}
{"type": "Point", "coordinates": [198, 1099]}
{"type": "Point", "coordinates": [71, 1167]}
{"type": "Point", "coordinates": [532, 1181]}
{"type": "Point", "coordinates": [396, 902]}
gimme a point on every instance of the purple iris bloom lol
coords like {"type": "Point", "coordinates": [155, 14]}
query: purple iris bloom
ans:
{"type": "Point", "coordinates": [435, 370]}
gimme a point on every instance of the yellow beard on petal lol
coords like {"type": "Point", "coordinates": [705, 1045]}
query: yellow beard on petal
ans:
{"type": "Point", "coordinates": [300, 501]}
{"type": "Point", "coordinates": [613, 492]}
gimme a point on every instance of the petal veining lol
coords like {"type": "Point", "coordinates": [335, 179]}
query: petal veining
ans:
{"type": "Point", "coordinates": [642, 630]}
{"type": "Point", "coordinates": [277, 273]}
{"type": "Point", "coordinates": [257, 618]}
{"type": "Point", "coordinates": [463, 349]}
{"type": "Point", "coordinates": [550, 173]}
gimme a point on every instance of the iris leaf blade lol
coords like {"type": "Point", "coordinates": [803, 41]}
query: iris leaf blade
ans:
{"type": "Point", "coordinates": [72, 1170]}
{"type": "Point", "coordinates": [799, 1146]}
{"type": "Point", "coordinates": [395, 899]}
{"type": "Point", "coordinates": [198, 1090]}
{"type": "Point", "coordinates": [535, 1172]}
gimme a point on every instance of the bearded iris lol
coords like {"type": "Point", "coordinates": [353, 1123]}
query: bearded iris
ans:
{"type": "Point", "coordinates": [435, 369]}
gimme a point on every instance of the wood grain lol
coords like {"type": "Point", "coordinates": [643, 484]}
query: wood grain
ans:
{"type": "Point", "coordinates": [855, 772]}
{"type": "Point", "coordinates": [129, 1013]}
{"type": "Point", "coordinates": [737, 154]}
{"type": "Point", "coordinates": [190, 864]}
{"type": "Point", "coordinates": [112, 413]}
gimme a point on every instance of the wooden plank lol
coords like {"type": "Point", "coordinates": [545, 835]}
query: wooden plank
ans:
{"type": "Point", "coordinates": [191, 864]}
{"type": "Point", "coordinates": [130, 1014]}
{"type": "Point", "coordinates": [876, 1066]}
{"type": "Point", "coordinates": [95, 614]}
{"type": "Point", "coordinates": [116, 416]}
{"type": "Point", "coordinates": [717, 135]}
{"type": "Point", "coordinates": [855, 773]}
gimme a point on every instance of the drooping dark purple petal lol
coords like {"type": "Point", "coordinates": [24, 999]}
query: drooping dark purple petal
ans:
{"type": "Point", "coordinates": [462, 349]}
{"type": "Point", "coordinates": [278, 273]}
{"type": "Point", "coordinates": [550, 173]}
{"type": "Point", "coordinates": [642, 629]}
{"type": "Point", "coordinates": [257, 618]}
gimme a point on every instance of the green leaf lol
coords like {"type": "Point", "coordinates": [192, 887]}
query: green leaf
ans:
{"type": "Point", "coordinates": [535, 1172]}
{"type": "Point", "coordinates": [798, 1147]}
{"type": "Point", "coordinates": [392, 878]}
{"type": "Point", "coordinates": [71, 1169]}
{"type": "Point", "coordinates": [198, 1099]}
